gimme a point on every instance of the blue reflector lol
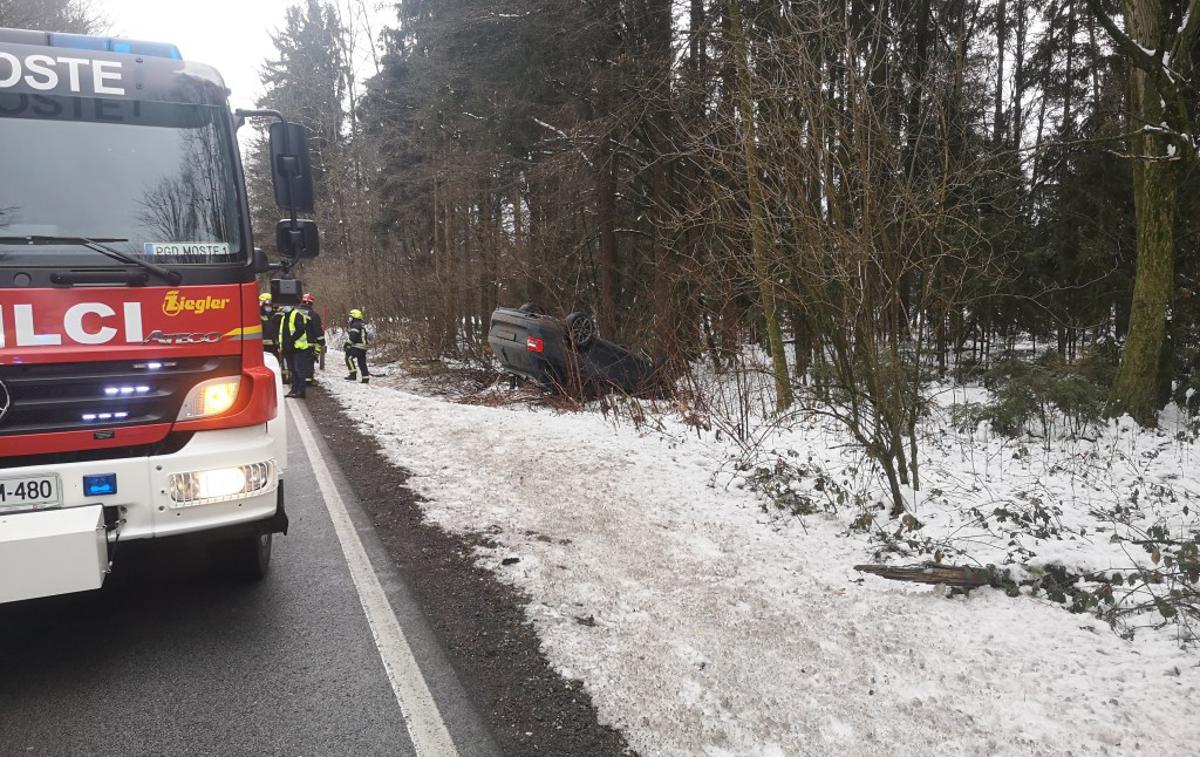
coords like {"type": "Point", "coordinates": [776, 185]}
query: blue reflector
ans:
{"type": "Point", "coordinates": [100, 485]}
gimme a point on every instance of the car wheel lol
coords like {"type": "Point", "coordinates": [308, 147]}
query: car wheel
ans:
{"type": "Point", "coordinates": [581, 330]}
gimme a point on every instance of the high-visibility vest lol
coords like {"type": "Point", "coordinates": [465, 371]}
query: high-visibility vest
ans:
{"type": "Point", "coordinates": [296, 322]}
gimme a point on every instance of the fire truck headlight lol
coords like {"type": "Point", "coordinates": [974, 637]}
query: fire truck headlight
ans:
{"type": "Point", "coordinates": [221, 484]}
{"type": "Point", "coordinates": [210, 398]}
{"type": "Point", "coordinates": [211, 484]}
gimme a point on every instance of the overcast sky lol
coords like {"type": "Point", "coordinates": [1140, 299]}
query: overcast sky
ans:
{"type": "Point", "coordinates": [232, 35]}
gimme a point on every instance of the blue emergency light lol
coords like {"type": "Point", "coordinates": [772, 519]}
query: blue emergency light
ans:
{"type": "Point", "coordinates": [100, 485]}
{"type": "Point", "coordinates": [89, 42]}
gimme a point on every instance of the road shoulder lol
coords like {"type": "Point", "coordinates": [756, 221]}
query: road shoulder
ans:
{"type": "Point", "coordinates": [470, 619]}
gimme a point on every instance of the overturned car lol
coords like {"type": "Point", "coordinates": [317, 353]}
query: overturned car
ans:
{"type": "Point", "coordinates": [567, 355]}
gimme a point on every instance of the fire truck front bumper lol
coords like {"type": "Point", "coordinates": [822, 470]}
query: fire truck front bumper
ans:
{"type": "Point", "coordinates": [218, 479]}
{"type": "Point", "coordinates": [58, 523]}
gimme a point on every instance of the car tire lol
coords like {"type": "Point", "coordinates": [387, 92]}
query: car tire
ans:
{"type": "Point", "coordinates": [581, 330]}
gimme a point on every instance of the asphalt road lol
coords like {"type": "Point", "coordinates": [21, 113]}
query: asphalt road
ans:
{"type": "Point", "coordinates": [172, 659]}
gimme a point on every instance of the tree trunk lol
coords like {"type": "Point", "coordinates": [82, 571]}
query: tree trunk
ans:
{"type": "Point", "coordinates": [1155, 199]}
{"type": "Point", "coordinates": [1018, 115]}
{"type": "Point", "coordinates": [451, 283]}
{"type": "Point", "coordinates": [1001, 41]}
{"type": "Point", "coordinates": [660, 125]}
{"type": "Point", "coordinates": [802, 342]}
{"type": "Point", "coordinates": [665, 330]}
{"type": "Point", "coordinates": [758, 220]}
{"type": "Point", "coordinates": [435, 304]}
{"type": "Point", "coordinates": [949, 575]}
{"type": "Point", "coordinates": [912, 114]}
{"type": "Point", "coordinates": [606, 194]}
{"type": "Point", "coordinates": [488, 251]}
{"type": "Point", "coordinates": [522, 248]}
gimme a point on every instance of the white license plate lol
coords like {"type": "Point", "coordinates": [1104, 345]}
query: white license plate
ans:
{"type": "Point", "coordinates": [30, 491]}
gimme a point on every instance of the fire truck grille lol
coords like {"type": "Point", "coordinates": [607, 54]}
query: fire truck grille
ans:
{"type": "Point", "coordinates": [50, 398]}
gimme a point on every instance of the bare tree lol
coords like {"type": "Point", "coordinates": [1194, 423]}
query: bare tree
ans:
{"type": "Point", "coordinates": [77, 16]}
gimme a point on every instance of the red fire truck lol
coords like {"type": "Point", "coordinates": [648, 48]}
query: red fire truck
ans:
{"type": "Point", "coordinates": [135, 400]}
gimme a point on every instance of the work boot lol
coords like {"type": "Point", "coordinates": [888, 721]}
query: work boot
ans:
{"type": "Point", "coordinates": [366, 379]}
{"type": "Point", "coordinates": [352, 377]}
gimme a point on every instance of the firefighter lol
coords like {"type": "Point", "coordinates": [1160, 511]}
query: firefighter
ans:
{"type": "Point", "coordinates": [356, 347]}
{"type": "Point", "coordinates": [298, 343]}
{"type": "Point", "coordinates": [270, 328]}
{"type": "Point", "coordinates": [318, 329]}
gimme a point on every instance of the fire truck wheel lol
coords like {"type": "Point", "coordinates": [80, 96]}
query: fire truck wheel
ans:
{"type": "Point", "coordinates": [252, 556]}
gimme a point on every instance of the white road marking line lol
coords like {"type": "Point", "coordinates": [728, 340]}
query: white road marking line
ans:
{"type": "Point", "coordinates": [421, 716]}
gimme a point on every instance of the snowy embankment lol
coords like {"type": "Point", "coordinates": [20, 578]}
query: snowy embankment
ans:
{"type": "Point", "coordinates": [701, 626]}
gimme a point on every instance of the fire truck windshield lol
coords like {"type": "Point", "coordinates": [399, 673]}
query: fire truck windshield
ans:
{"type": "Point", "coordinates": [157, 178]}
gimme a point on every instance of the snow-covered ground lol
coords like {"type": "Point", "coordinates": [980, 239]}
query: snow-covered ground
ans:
{"type": "Point", "coordinates": [703, 626]}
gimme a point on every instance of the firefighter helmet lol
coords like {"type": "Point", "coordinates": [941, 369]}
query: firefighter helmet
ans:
{"type": "Point", "coordinates": [308, 298]}
{"type": "Point", "coordinates": [356, 313]}
{"type": "Point", "coordinates": [264, 297]}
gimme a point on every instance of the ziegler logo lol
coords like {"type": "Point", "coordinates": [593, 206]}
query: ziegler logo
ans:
{"type": "Point", "coordinates": [158, 337]}
{"type": "Point", "coordinates": [175, 303]}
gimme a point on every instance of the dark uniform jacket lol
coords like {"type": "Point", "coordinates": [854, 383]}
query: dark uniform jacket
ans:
{"type": "Point", "coordinates": [272, 320]}
{"type": "Point", "coordinates": [298, 331]}
{"type": "Point", "coordinates": [317, 329]}
{"type": "Point", "coordinates": [356, 334]}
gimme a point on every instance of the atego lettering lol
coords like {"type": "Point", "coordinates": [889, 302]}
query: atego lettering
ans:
{"type": "Point", "coordinates": [44, 73]}
{"type": "Point", "coordinates": [199, 337]}
{"type": "Point", "coordinates": [87, 323]}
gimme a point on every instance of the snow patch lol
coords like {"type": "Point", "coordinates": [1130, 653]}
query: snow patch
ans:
{"type": "Point", "coordinates": [702, 626]}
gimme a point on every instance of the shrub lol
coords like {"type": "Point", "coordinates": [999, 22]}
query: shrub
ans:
{"type": "Point", "coordinates": [1037, 398]}
{"type": "Point", "coordinates": [800, 487]}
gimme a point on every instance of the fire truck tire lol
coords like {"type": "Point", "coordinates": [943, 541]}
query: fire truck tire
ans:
{"type": "Point", "coordinates": [251, 556]}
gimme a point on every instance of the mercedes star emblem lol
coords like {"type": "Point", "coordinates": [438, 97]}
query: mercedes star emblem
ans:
{"type": "Point", "coordinates": [5, 401]}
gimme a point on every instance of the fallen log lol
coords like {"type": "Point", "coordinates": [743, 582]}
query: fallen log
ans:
{"type": "Point", "coordinates": [959, 576]}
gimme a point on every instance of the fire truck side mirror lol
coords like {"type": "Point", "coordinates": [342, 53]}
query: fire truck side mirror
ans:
{"type": "Point", "coordinates": [297, 239]}
{"type": "Point", "coordinates": [291, 168]}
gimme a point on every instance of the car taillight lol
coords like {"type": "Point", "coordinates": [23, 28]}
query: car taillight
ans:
{"type": "Point", "coordinates": [533, 344]}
